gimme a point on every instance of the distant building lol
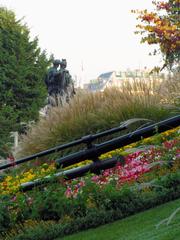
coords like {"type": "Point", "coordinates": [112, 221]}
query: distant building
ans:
{"type": "Point", "coordinates": [116, 78]}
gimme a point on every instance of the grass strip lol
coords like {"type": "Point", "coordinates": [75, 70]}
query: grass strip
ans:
{"type": "Point", "coordinates": [139, 226]}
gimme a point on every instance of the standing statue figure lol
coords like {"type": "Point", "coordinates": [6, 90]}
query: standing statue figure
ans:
{"type": "Point", "coordinates": [67, 82]}
{"type": "Point", "coordinates": [59, 84]}
{"type": "Point", "coordinates": [52, 83]}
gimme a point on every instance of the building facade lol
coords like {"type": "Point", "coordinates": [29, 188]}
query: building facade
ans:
{"type": "Point", "coordinates": [117, 78]}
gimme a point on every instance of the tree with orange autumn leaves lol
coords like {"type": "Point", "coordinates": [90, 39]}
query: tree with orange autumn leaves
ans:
{"type": "Point", "coordinates": [162, 27]}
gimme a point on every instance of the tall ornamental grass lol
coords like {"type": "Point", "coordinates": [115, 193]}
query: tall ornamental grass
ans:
{"type": "Point", "coordinates": [92, 112]}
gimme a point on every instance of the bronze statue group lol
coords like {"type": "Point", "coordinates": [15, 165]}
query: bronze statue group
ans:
{"type": "Point", "coordinates": [59, 84]}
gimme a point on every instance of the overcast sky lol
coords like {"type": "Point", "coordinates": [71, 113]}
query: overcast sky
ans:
{"type": "Point", "coordinates": [97, 33]}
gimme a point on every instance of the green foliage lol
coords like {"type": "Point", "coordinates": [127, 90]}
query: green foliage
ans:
{"type": "Point", "coordinates": [8, 124]}
{"type": "Point", "coordinates": [22, 68]}
{"type": "Point", "coordinates": [4, 218]}
{"type": "Point", "coordinates": [94, 207]}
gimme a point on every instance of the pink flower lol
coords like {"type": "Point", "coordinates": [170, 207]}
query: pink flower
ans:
{"type": "Point", "coordinates": [95, 178]}
{"type": "Point", "coordinates": [68, 192]}
{"type": "Point", "coordinates": [14, 199]}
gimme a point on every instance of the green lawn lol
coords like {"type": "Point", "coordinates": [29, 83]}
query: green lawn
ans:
{"type": "Point", "coordinates": [138, 227]}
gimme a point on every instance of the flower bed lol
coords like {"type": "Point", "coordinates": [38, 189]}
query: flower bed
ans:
{"type": "Point", "coordinates": [158, 160]}
{"type": "Point", "coordinates": [12, 182]}
{"type": "Point", "coordinates": [140, 177]}
{"type": "Point", "coordinates": [52, 215]}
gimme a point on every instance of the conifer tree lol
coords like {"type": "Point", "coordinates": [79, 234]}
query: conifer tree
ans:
{"type": "Point", "coordinates": [22, 69]}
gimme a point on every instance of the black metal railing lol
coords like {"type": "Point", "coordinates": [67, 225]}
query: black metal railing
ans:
{"type": "Point", "coordinates": [97, 149]}
{"type": "Point", "coordinates": [93, 151]}
{"type": "Point", "coordinates": [84, 140]}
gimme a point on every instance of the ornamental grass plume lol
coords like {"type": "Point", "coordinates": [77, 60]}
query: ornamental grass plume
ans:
{"type": "Point", "coordinates": [168, 220]}
{"type": "Point", "coordinates": [93, 112]}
